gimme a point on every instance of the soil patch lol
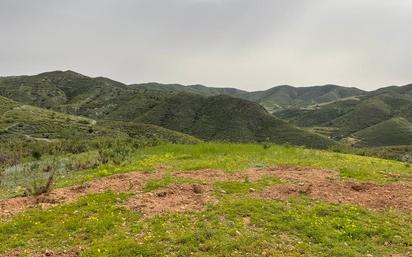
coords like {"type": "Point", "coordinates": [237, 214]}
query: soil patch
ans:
{"type": "Point", "coordinates": [255, 174]}
{"type": "Point", "coordinates": [130, 182]}
{"type": "Point", "coordinates": [177, 198]}
{"type": "Point", "coordinates": [316, 183]}
{"type": "Point", "coordinates": [323, 185]}
{"type": "Point", "coordinates": [47, 253]}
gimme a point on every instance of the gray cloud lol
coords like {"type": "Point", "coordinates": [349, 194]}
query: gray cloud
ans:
{"type": "Point", "coordinates": [241, 43]}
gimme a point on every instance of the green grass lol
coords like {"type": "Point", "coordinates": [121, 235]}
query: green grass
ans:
{"type": "Point", "coordinates": [235, 187]}
{"type": "Point", "coordinates": [165, 181]}
{"type": "Point", "coordinates": [236, 157]}
{"type": "Point", "coordinates": [237, 226]}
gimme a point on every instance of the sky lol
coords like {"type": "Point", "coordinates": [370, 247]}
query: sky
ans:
{"type": "Point", "coordinates": [247, 44]}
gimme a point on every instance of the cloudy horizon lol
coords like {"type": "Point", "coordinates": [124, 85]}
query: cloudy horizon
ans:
{"type": "Point", "coordinates": [250, 45]}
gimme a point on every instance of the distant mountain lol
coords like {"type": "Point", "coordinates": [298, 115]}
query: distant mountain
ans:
{"type": "Point", "coordinates": [212, 118]}
{"type": "Point", "coordinates": [273, 99]}
{"type": "Point", "coordinates": [77, 94]}
{"type": "Point", "coordinates": [382, 113]}
{"type": "Point", "coordinates": [286, 97]}
{"type": "Point", "coordinates": [194, 89]}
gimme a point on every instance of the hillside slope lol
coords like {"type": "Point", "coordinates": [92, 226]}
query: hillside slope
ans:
{"type": "Point", "coordinates": [25, 129]}
{"type": "Point", "coordinates": [354, 117]}
{"type": "Point", "coordinates": [214, 118]}
{"type": "Point", "coordinates": [395, 131]}
{"type": "Point", "coordinates": [73, 93]}
{"type": "Point", "coordinates": [227, 118]}
{"type": "Point", "coordinates": [19, 120]}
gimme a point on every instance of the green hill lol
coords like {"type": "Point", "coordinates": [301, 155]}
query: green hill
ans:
{"type": "Point", "coordinates": [193, 89]}
{"type": "Point", "coordinates": [227, 118]}
{"type": "Point", "coordinates": [318, 116]}
{"type": "Point", "coordinates": [213, 118]}
{"type": "Point", "coordinates": [73, 93]}
{"type": "Point", "coordinates": [19, 120]}
{"type": "Point", "coordinates": [395, 131]}
{"type": "Point", "coordinates": [285, 97]}
{"type": "Point", "coordinates": [273, 99]}
{"type": "Point", "coordinates": [348, 119]}
{"type": "Point", "coordinates": [24, 128]}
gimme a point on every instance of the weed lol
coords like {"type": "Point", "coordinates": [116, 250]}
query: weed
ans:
{"type": "Point", "coordinates": [40, 186]}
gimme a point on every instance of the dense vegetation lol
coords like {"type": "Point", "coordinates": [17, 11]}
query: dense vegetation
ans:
{"type": "Point", "coordinates": [228, 119]}
{"type": "Point", "coordinates": [379, 118]}
{"type": "Point", "coordinates": [213, 118]}
{"type": "Point", "coordinates": [273, 99]}
{"type": "Point", "coordinates": [26, 130]}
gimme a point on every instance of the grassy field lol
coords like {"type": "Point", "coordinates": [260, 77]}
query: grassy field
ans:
{"type": "Point", "coordinates": [238, 225]}
{"type": "Point", "coordinates": [236, 157]}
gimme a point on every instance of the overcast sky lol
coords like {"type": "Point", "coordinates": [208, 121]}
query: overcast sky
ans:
{"type": "Point", "coordinates": [248, 44]}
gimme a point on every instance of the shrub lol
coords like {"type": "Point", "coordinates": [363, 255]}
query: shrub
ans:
{"type": "Point", "coordinates": [115, 154]}
{"type": "Point", "coordinates": [37, 184]}
{"type": "Point", "coordinates": [266, 145]}
{"type": "Point", "coordinates": [36, 154]}
{"type": "Point", "coordinates": [1, 175]}
{"type": "Point", "coordinates": [39, 187]}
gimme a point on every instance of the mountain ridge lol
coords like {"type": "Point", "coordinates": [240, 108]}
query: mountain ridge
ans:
{"type": "Point", "coordinates": [215, 117]}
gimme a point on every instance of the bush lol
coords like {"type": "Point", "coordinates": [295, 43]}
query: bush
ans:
{"type": "Point", "coordinates": [36, 184]}
{"type": "Point", "coordinates": [116, 154]}
{"type": "Point", "coordinates": [1, 175]}
{"type": "Point", "coordinates": [40, 187]}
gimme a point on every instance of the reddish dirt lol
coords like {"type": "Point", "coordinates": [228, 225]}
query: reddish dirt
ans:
{"type": "Point", "coordinates": [59, 254]}
{"type": "Point", "coordinates": [286, 172]}
{"type": "Point", "coordinates": [177, 198]}
{"type": "Point", "coordinates": [131, 182]}
{"type": "Point", "coordinates": [47, 253]}
{"type": "Point", "coordinates": [316, 183]}
{"type": "Point", "coordinates": [324, 185]}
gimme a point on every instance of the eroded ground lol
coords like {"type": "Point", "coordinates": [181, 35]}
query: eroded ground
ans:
{"type": "Point", "coordinates": [315, 183]}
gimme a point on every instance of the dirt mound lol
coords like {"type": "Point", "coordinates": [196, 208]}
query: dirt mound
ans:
{"type": "Point", "coordinates": [177, 198]}
{"type": "Point", "coordinates": [323, 185]}
{"type": "Point", "coordinates": [130, 182]}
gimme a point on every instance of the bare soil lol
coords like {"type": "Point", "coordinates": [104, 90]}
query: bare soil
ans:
{"type": "Point", "coordinates": [47, 253]}
{"type": "Point", "coordinates": [130, 182]}
{"type": "Point", "coordinates": [324, 185]}
{"type": "Point", "coordinates": [177, 198]}
{"type": "Point", "coordinates": [316, 183]}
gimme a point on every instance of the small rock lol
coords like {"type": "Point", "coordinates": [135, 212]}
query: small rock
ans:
{"type": "Point", "coordinates": [223, 191]}
{"type": "Point", "coordinates": [161, 194]}
{"type": "Point", "coordinates": [197, 189]}
{"type": "Point", "coordinates": [252, 189]}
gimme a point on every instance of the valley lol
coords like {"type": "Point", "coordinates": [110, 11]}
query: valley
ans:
{"type": "Point", "coordinates": [95, 167]}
